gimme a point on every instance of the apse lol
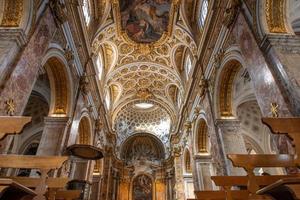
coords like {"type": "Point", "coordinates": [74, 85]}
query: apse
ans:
{"type": "Point", "coordinates": [145, 21]}
{"type": "Point", "coordinates": [143, 117]}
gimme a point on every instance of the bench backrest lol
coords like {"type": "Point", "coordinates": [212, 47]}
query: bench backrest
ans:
{"type": "Point", "coordinates": [243, 180]}
{"type": "Point", "coordinates": [31, 162]}
{"type": "Point", "coordinates": [34, 182]}
{"type": "Point", "coordinates": [283, 125]}
{"type": "Point", "coordinates": [261, 160]}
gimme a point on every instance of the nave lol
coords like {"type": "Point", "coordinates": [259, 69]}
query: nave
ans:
{"type": "Point", "coordinates": [149, 99]}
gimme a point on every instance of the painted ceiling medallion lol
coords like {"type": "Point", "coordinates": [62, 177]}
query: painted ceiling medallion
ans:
{"type": "Point", "coordinates": [145, 21]}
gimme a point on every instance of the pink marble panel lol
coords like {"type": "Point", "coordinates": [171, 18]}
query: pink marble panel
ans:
{"type": "Point", "coordinates": [21, 81]}
{"type": "Point", "coordinates": [265, 86]}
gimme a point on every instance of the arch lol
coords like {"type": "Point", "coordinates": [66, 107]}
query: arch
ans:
{"type": "Point", "coordinates": [61, 85]}
{"type": "Point", "coordinates": [174, 94]}
{"type": "Point", "coordinates": [225, 89]}
{"type": "Point", "coordinates": [58, 85]}
{"type": "Point", "coordinates": [142, 145]}
{"type": "Point", "coordinates": [84, 131]}
{"type": "Point", "coordinates": [187, 162]}
{"type": "Point", "coordinates": [178, 58]}
{"type": "Point", "coordinates": [273, 16]}
{"type": "Point", "coordinates": [114, 92]}
{"type": "Point", "coordinates": [202, 141]}
{"type": "Point", "coordinates": [109, 55]}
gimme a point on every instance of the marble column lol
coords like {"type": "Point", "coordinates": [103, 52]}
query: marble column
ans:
{"type": "Point", "coordinates": [233, 142]}
{"type": "Point", "coordinates": [53, 136]}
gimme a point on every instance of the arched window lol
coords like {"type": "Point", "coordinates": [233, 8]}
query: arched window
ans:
{"type": "Point", "coordinates": [188, 65]}
{"type": "Point", "coordinates": [86, 11]}
{"type": "Point", "coordinates": [99, 66]}
{"type": "Point", "coordinates": [107, 100]}
{"type": "Point", "coordinates": [203, 13]}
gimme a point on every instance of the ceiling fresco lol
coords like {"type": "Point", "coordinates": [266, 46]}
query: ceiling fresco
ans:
{"type": "Point", "coordinates": [145, 21]}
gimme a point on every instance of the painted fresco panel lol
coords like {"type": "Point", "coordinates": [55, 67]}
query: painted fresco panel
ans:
{"type": "Point", "coordinates": [145, 20]}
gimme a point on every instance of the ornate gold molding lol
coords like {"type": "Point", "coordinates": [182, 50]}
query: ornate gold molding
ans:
{"type": "Point", "coordinates": [13, 11]}
{"type": "Point", "coordinates": [202, 137]}
{"type": "Point", "coordinates": [225, 95]}
{"type": "Point", "coordinates": [275, 13]}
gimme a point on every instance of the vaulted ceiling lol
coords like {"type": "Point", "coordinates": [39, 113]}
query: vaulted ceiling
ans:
{"type": "Point", "coordinates": [143, 45]}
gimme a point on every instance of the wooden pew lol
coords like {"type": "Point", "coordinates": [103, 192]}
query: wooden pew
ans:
{"type": "Point", "coordinates": [249, 162]}
{"type": "Point", "coordinates": [12, 125]}
{"type": "Point", "coordinates": [43, 163]}
{"type": "Point", "coordinates": [288, 126]}
{"type": "Point", "coordinates": [12, 190]}
{"type": "Point", "coordinates": [67, 194]}
{"type": "Point", "coordinates": [287, 189]}
{"type": "Point", "coordinates": [227, 182]}
{"type": "Point", "coordinates": [222, 195]}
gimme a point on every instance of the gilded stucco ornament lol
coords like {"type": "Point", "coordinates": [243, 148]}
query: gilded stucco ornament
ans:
{"type": "Point", "coordinates": [203, 84]}
{"type": "Point", "coordinates": [58, 11]}
{"type": "Point", "coordinates": [177, 150]}
{"type": "Point", "coordinates": [274, 109]}
{"type": "Point", "coordinates": [275, 14]}
{"type": "Point", "coordinates": [10, 107]}
{"type": "Point", "coordinates": [231, 13]}
{"type": "Point", "coordinates": [13, 13]}
{"type": "Point", "coordinates": [188, 127]}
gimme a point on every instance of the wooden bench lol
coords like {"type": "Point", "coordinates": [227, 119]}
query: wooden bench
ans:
{"type": "Point", "coordinates": [221, 195]}
{"type": "Point", "coordinates": [55, 187]}
{"type": "Point", "coordinates": [287, 189]}
{"type": "Point", "coordinates": [227, 182]}
{"type": "Point", "coordinates": [288, 126]}
{"type": "Point", "coordinates": [43, 163]}
{"type": "Point", "coordinates": [250, 162]}
{"type": "Point", "coordinates": [67, 194]}
{"type": "Point", "coordinates": [12, 190]}
{"type": "Point", "coordinates": [12, 125]}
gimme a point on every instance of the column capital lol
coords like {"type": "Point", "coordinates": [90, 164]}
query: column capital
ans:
{"type": "Point", "coordinates": [228, 123]}
{"type": "Point", "coordinates": [57, 121]}
{"type": "Point", "coordinates": [284, 42]}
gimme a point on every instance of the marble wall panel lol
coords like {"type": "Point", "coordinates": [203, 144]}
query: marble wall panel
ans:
{"type": "Point", "coordinates": [265, 85]}
{"type": "Point", "coordinates": [21, 81]}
